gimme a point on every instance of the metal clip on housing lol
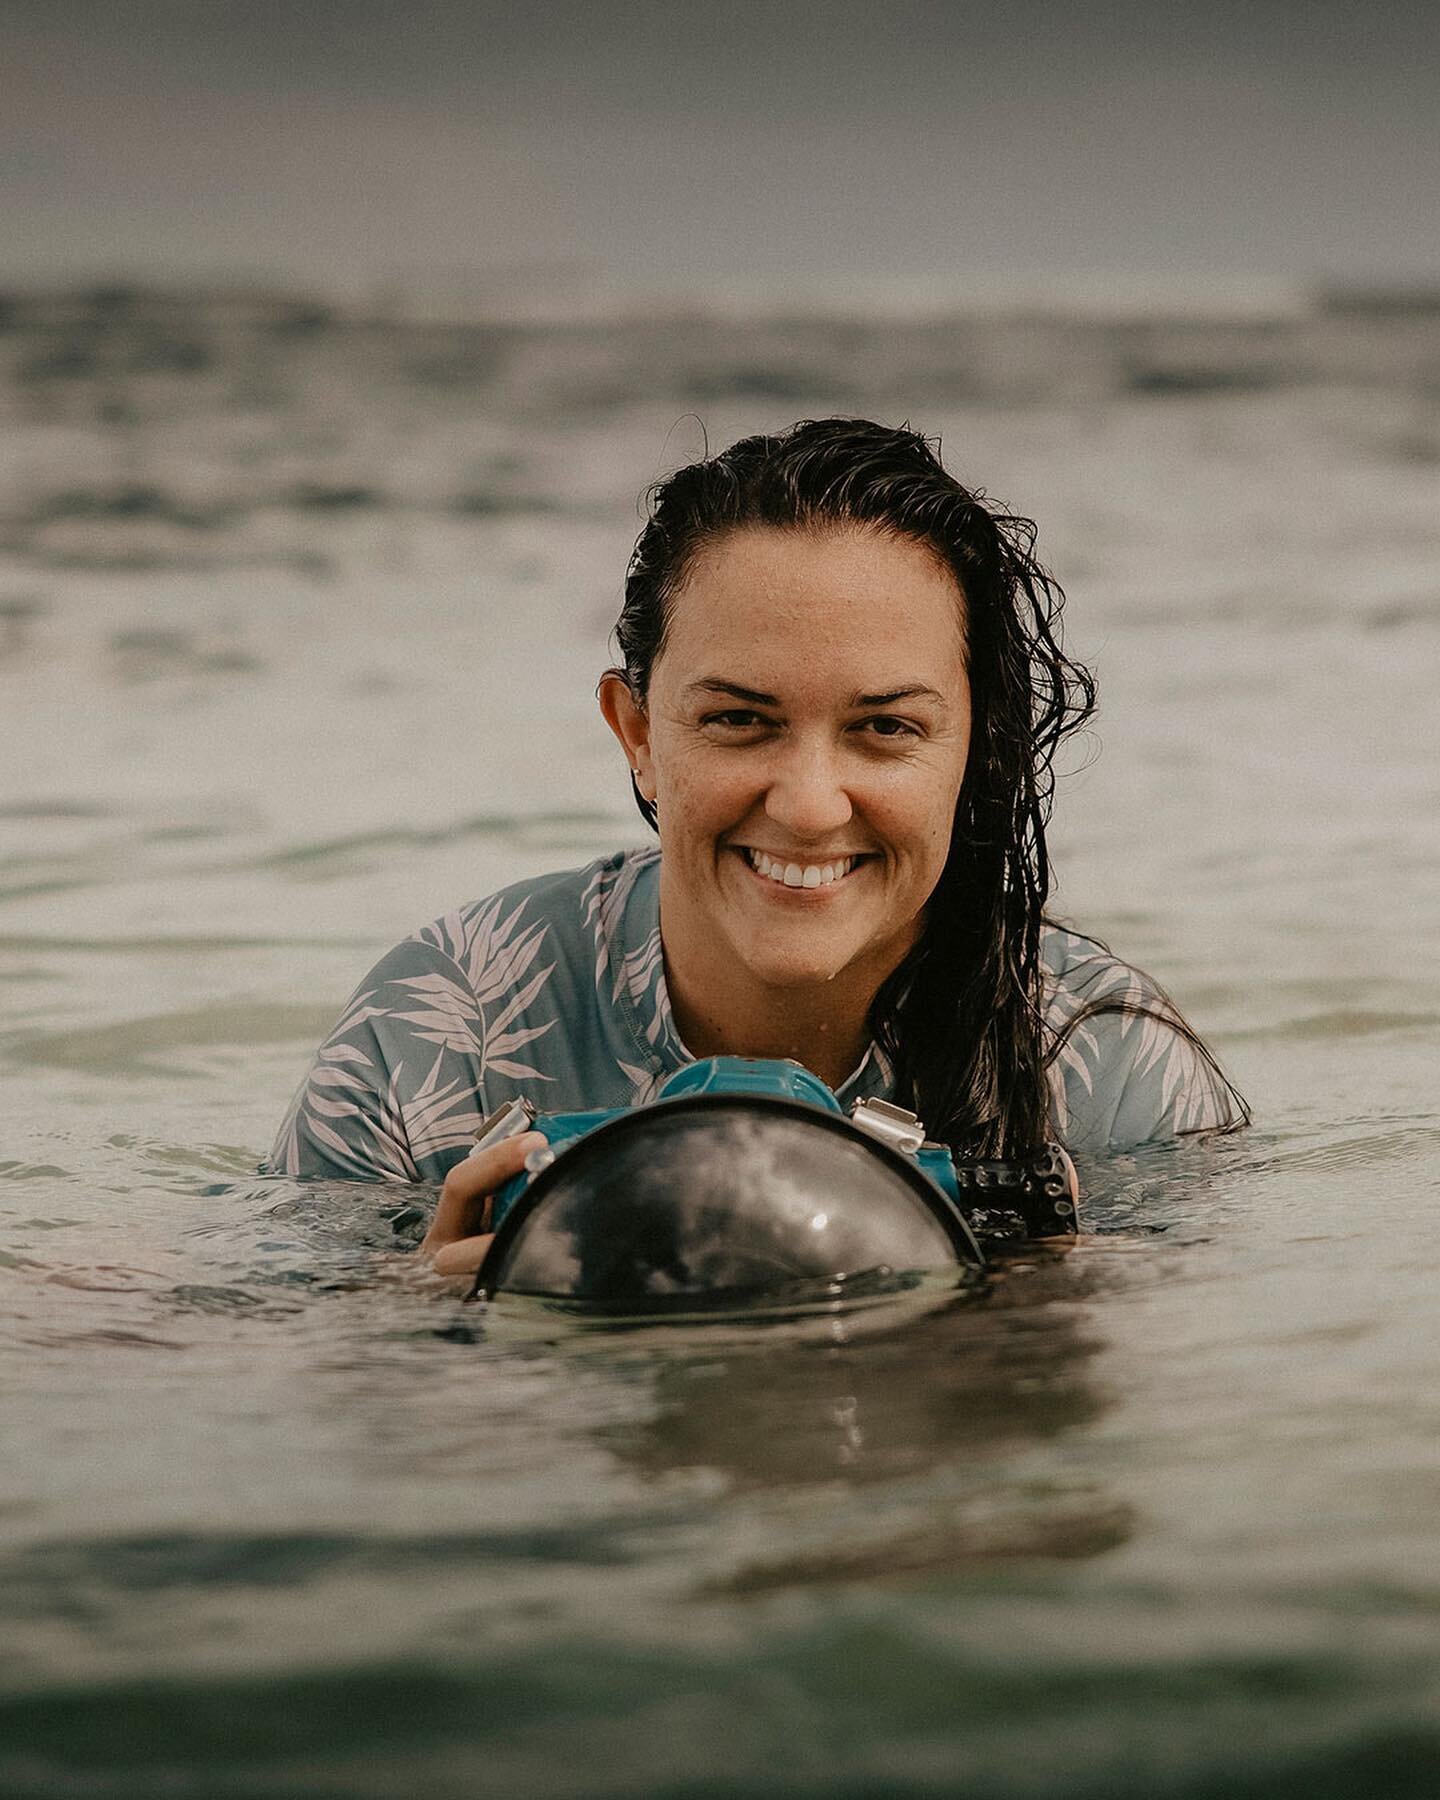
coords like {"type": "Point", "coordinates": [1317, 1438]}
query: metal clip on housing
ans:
{"type": "Point", "coordinates": [890, 1123]}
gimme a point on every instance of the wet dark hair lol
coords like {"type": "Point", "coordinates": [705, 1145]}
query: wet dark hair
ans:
{"type": "Point", "coordinates": [961, 1017]}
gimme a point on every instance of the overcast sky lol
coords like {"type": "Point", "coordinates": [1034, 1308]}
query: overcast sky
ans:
{"type": "Point", "coordinates": [352, 143]}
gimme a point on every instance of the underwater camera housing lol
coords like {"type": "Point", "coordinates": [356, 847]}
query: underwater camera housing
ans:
{"type": "Point", "coordinates": [745, 1178]}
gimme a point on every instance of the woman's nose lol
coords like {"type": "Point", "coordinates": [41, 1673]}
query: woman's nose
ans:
{"type": "Point", "coordinates": [806, 797]}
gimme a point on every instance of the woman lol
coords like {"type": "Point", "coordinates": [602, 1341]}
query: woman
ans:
{"type": "Point", "coordinates": [841, 696]}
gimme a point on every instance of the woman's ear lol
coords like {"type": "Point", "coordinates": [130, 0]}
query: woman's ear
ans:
{"type": "Point", "coordinates": [628, 720]}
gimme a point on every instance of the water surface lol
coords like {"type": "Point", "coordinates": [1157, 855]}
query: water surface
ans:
{"type": "Point", "coordinates": [298, 639]}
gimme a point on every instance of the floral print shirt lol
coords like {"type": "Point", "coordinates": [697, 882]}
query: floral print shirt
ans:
{"type": "Point", "coordinates": [554, 990]}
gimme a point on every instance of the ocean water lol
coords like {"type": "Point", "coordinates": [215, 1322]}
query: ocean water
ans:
{"type": "Point", "coordinates": [300, 620]}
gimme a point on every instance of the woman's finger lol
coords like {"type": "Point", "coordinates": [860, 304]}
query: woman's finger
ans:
{"type": "Point", "coordinates": [464, 1256]}
{"type": "Point", "coordinates": [469, 1185]}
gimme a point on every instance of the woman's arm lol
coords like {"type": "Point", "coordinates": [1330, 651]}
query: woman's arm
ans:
{"type": "Point", "coordinates": [1124, 1076]}
{"type": "Point", "coordinates": [395, 1091]}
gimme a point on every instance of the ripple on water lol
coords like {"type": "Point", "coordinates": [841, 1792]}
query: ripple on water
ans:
{"type": "Point", "coordinates": [157, 1044]}
{"type": "Point", "coordinates": [1348, 1023]}
{"type": "Point", "coordinates": [1156, 1523]}
{"type": "Point", "coordinates": [1418, 1143]}
{"type": "Point", "coordinates": [325, 858]}
{"type": "Point", "coordinates": [943, 1695]}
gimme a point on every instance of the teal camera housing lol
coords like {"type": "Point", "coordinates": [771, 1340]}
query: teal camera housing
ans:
{"type": "Point", "coordinates": [998, 1201]}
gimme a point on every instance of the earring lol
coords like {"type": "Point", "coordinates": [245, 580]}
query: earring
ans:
{"type": "Point", "coordinates": [654, 805]}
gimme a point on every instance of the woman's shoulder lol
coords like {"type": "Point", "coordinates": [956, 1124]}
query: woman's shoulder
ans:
{"type": "Point", "coordinates": [1126, 1067]}
{"type": "Point", "coordinates": [497, 997]}
{"type": "Point", "coordinates": [576, 912]}
{"type": "Point", "coordinates": [1082, 972]}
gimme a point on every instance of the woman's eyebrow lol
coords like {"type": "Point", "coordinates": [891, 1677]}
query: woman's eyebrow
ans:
{"type": "Point", "coordinates": [912, 690]}
{"type": "Point", "coordinates": [733, 690]}
{"type": "Point", "coordinates": [915, 690]}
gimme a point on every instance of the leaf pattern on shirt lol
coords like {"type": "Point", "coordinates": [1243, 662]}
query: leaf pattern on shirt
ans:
{"type": "Point", "coordinates": [443, 1113]}
{"type": "Point", "coordinates": [1184, 1090]}
{"type": "Point", "coordinates": [636, 976]}
{"type": "Point", "coordinates": [644, 1083]}
{"type": "Point", "coordinates": [642, 976]}
{"type": "Point", "coordinates": [482, 943]}
{"type": "Point", "coordinates": [602, 906]}
{"type": "Point", "coordinates": [374, 1118]}
{"type": "Point", "coordinates": [369, 1106]}
{"type": "Point", "coordinates": [465, 1013]}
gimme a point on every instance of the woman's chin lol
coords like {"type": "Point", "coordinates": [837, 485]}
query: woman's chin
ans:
{"type": "Point", "coordinates": [794, 967]}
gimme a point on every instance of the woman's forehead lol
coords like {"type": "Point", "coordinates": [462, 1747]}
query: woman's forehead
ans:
{"type": "Point", "coordinates": [831, 585]}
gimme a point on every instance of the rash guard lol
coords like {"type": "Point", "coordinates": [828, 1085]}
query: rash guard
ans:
{"type": "Point", "coordinates": [554, 990]}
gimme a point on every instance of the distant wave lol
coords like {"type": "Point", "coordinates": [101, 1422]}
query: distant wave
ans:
{"type": "Point", "coordinates": [232, 429]}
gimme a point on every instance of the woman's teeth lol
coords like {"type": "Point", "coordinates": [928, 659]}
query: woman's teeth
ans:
{"type": "Point", "coordinates": [806, 875]}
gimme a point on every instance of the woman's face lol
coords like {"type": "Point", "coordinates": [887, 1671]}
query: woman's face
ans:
{"type": "Point", "coordinates": [805, 739]}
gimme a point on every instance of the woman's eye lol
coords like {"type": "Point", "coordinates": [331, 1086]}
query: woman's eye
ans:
{"type": "Point", "coordinates": [736, 719]}
{"type": "Point", "coordinates": [883, 725]}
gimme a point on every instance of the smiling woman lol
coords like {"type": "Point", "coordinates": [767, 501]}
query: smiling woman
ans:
{"type": "Point", "coordinates": [805, 735]}
{"type": "Point", "coordinates": [841, 696]}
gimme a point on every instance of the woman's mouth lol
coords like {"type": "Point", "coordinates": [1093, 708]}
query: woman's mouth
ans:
{"type": "Point", "coordinates": [798, 874]}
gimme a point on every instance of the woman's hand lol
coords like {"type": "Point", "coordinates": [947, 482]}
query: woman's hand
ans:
{"type": "Point", "coordinates": [458, 1239]}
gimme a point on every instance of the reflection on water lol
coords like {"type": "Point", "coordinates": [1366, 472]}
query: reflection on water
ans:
{"type": "Point", "coordinates": [931, 1403]}
{"type": "Point", "coordinates": [300, 620]}
{"type": "Point", "coordinates": [970, 1377]}
{"type": "Point", "coordinates": [337, 1479]}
